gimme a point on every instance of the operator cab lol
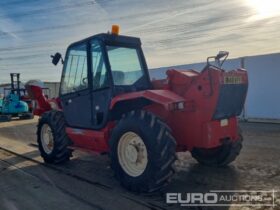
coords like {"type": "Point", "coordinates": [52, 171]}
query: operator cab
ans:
{"type": "Point", "coordinates": [110, 60]}
{"type": "Point", "coordinates": [95, 70]}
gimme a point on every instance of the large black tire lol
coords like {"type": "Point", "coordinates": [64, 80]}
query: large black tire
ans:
{"type": "Point", "coordinates": [219, 156]}
{"type": "Point", "coordinates": [161, 151]}
{"type": "Point", "coordinates": [60, 152]}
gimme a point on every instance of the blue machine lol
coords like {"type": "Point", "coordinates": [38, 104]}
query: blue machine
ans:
{"type": "Point", "coordinates": [11, 105]}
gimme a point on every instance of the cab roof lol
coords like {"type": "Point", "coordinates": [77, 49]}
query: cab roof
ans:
{"type": "Point", "coordinates": [112, 39]}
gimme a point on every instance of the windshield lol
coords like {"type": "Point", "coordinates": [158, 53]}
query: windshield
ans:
{"type": "Point", "coordinates": [125, 65]}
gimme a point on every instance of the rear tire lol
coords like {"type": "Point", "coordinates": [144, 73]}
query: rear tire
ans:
{"type": "Point", "coordinates": [52, 138]}
{"type": "Point", "coordinates": [219, 156]}
{"type": "Point", "coordinates": [142, 152]}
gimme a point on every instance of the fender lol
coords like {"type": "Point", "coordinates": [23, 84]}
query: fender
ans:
{"type": "Point", "coordinates": [168, 99]}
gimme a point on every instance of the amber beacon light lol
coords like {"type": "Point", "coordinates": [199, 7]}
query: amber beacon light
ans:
{"type": "Point", "coordinates": [115, 29]}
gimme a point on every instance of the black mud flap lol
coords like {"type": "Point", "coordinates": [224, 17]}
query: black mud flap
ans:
{"type": "Point", "coordinates": [231, 101]}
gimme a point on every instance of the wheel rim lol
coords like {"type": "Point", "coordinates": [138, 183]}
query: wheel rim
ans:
{"type": "Point", "coordinates": [132, 154]}
{"type": "Point", "coordinates": [47, 139]}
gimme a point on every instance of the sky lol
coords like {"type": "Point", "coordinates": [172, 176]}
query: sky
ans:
{"type": "Point", "coordinates": [172, 32]}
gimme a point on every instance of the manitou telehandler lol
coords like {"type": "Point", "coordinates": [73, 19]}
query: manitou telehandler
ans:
{"type": "Point", "coordinates": [108, 104]}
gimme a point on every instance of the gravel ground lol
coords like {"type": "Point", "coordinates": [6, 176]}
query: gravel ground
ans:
{"type": "Point", "coordinates": [87, 181]}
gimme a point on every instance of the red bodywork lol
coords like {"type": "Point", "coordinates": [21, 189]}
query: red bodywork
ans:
{"type": "Point", "coordinates": [192, 126]}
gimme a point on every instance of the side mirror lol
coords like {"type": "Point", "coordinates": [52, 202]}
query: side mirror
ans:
{"type": "Point", "coordinates": [56, 58]}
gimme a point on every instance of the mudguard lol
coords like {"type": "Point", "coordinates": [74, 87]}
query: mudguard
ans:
{"type": "Point", "coordinates": [166, 98]}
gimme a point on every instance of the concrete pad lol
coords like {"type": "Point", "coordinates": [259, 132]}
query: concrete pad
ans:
{"type": "Point", "coordinates": [88, 177]}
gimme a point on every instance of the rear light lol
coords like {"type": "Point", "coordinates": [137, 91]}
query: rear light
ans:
{"type": "Point", "coordinates": [224, 122]}
{"type": "Point", "coordinates": [178, 106]}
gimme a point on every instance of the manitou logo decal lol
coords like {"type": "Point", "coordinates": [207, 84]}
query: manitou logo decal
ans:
{"type": "Point", "coordinates": [232, 80]}
{"type": "Point", "coordinates": [223, 198]}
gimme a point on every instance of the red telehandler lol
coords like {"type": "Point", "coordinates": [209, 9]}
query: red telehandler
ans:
{"type": "Point", "coordinates": [108, 104]}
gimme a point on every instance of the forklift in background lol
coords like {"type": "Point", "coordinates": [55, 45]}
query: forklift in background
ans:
{"type": "Point", "coordinates": [15, 102]}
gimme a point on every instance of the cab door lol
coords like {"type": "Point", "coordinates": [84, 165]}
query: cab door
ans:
{"type": "Point", "coordinates": [101, 84]}
{"type": "Point", "coordinates": [75, 90]}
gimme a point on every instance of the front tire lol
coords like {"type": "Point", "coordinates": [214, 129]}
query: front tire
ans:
{"type": "Point", "coordinates": [52, 139]}
{"type": "Point", "coordinates": [142, 152]}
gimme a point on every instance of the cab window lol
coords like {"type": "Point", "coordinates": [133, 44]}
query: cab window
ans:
{"type": "Point", "coordinates": [99, 71]}
{"type": "Point", "coordinates": [125, 65]}
{"type": "Point", "coordinates": [75, 73]}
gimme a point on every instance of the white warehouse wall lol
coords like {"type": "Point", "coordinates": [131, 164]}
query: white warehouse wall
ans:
{"type": "Point", "coordinates": [53, 89]}
{"type": "Point", "coordinates": [263, 100]}
{"type": "Point", "coordinates": [160, 73]}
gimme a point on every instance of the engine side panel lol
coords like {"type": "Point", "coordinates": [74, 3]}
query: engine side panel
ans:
{"type": "Point", "coordinates": [212, 103]}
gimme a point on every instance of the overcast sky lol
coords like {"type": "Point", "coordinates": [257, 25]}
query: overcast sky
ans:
{"type": "Point", "coordinates": [172, 32]}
